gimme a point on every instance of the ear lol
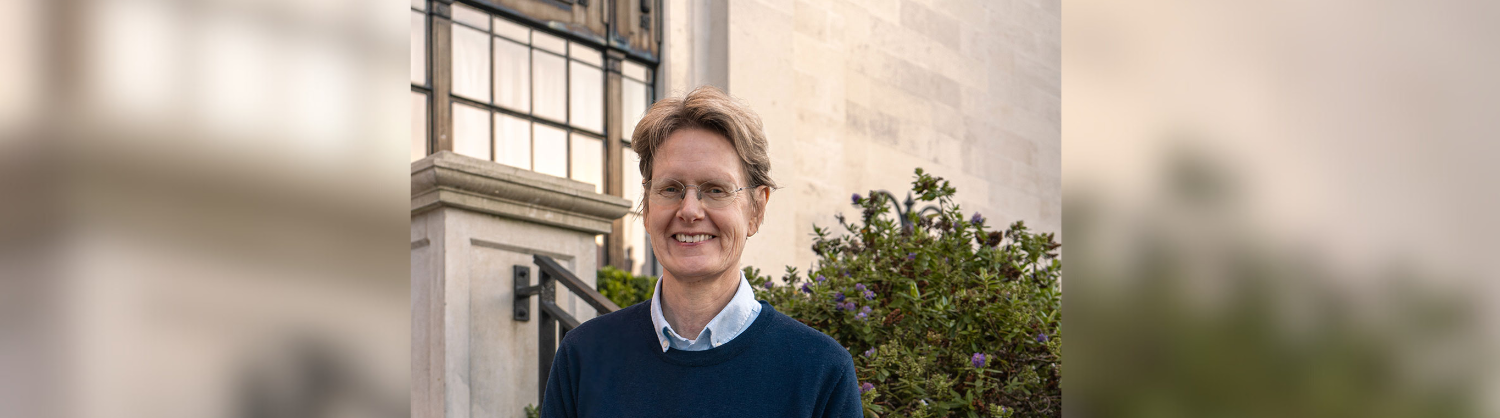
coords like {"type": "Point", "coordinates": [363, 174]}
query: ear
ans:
{"type": "Point", "coordinates": [759, 199]}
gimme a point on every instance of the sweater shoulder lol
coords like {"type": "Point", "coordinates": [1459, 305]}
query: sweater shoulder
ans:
{"type": "Point", "coordinates": [800, 338]}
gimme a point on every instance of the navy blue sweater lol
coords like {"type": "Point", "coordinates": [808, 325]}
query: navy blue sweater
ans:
{"type": "Point", "coordinates": [613, 366]}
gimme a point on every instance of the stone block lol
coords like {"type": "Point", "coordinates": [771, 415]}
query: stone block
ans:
{"type": "Point", "coordinates": [923, 20]}
{"type": "Point", "coordinates": [811, 20]}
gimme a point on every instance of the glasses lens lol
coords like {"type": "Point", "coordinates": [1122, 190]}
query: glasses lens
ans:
{"type": "Point", "coordinates": [666, 191]}
{"type": "Point", "coordinates": [716, 194]}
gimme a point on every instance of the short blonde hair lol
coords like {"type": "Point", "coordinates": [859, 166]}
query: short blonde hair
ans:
{"type": "Point", "coordinates": [710, 109]}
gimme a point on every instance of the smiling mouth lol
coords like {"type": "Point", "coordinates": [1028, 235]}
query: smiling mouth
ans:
{"type": "Point", "coordinates": [685, 238]}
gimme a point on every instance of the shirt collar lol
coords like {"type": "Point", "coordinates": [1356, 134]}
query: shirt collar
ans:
{"type": "Point", "coordinates": [729, 323]}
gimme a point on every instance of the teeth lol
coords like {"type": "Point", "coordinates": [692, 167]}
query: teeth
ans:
{"type": "Point", "coordinates": [692, 238]}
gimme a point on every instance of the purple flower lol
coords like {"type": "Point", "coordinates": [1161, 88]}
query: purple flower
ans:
{"type": "Point", "coordinates": [866, 387]}
{"type": "Point", "coordinates": [845, 306]}
{"type": "Point", "coordinates": [769, 284]}
{"type": "Point", "coordinates": [838, 296]}
{"type": "Point", "coordinates": [806, 289]}
{"type": "Point", "coordinates": [869, 294]}
{"type": "Point", "coordinates": [977, 219]}
{"type": "Point", "coordinates": [1041, 338]}
{"type": "Point", "coordinates": [870, 352]}
{"type": "Point", "coordinates": [862, 316]}
{"type": "Point", "coordinates": [838, 307]}
{"type": "Point", "coordinates": [977, 360]}
{"type": "Point", "coordinates": [911, 256]}
{"type": "Point", "coordinates": [859, 287]}
{"type": "Point", "coordinates": [865, 310]}
{"type": "Point", "coordinates": [821, 278]}
{"type": "Point", "coordinates": [856, 198]}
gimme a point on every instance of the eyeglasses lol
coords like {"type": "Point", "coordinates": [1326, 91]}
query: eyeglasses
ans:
{"type": "Point", "coordinates": [669, 192]}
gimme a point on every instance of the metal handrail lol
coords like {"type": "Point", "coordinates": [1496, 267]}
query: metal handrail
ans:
{"type": "Point", "coordinates": [548, 333]}
{"type": "Point", "coordinates": [901, 214]}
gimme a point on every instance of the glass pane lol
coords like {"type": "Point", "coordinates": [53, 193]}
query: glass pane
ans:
{"type": "Point", "coordinates": [471, 64]}
{"type": "Point", "coordinates": [512, 75]}
{"type": "Point", "coordinates": [633, 70]}
{"type": "Point", "coordinates": [636, 244]}
{"type": "Point", "coordinates": [512, 30]}
{"type": "Point", "coordinates": [471, 16]}
{"type": "Point", "coordinates": [630, 177]}
{"type": "Point", "coordinates": [549, 86]}
{"type": "Point", "coordinates": [418, 49]}
{"type": "Point", "coordinates": [585, 54]}
{"type": "Point", "coordinates": [549, 42]}
{"type": "Point", "coordinates": [588, 161]}
{"type": "Point", "coordinates": [419, 4]}
{"type": "Point", "coordinates": [586, 98]}
{"type": "Point", "coordinates": [471, 131]}
{"type": "Point", "coordinates": [512, 141]}
{"type": "Point", "coordinates": [418, 126]}
{"type": "Point", "coordinates": [551, 150]}
{"type": "Point", "coordinates": [632, 106]}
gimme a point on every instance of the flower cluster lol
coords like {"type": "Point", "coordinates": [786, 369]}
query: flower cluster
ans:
{"type": "Point", "coordinates": [977, 360]}
{"type": "Point", "coordinates": [867, 293]}
{"type": "Point", "coordinates": [866, 387]}
{"type": "Point", "coordinates": [863, 314]}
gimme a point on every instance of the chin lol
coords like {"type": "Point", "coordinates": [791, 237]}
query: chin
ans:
{"type": "Point", "coordinates": [695, 268]}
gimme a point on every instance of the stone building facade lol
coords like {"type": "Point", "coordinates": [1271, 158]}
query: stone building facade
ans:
{"type": "Point", "coordinates": [854, 94]}
{"type": "Point", "coordinates": [520, 144]}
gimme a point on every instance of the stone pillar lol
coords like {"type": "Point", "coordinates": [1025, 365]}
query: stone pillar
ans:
{"type": "Point", "coordinates": [471, 221]}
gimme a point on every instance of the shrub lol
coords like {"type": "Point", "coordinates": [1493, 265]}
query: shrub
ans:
{"type": "Point", "coordinates": [623, 288]}
{"type": "Point", "coordinates": [943, 318]}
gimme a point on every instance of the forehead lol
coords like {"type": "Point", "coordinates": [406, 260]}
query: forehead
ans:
{"type": "Point", "coordinates": [695, 155]}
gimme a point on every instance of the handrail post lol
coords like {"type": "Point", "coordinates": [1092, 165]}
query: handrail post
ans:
{"type": "Point", "coordinates": [546, 336]}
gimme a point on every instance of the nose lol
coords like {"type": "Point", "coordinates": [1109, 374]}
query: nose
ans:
{"type": "Point", "coordinates": [692, 207]}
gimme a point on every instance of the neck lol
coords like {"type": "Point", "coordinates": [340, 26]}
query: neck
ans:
{"type": "Point", "coordinates": [690, 304]}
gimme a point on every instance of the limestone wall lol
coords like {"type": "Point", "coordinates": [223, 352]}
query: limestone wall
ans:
{"type": "Point", "coordinates": [856, 94]}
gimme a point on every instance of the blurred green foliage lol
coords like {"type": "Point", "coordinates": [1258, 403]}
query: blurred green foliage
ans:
{"type": "Point", "coordinates": [1181, 308]}
{"type": "Point", "coordinates": [944, 318]}
{"type": "Point", "coordinates": [623, 288]}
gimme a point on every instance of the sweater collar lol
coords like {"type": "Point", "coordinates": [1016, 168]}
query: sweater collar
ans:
{"type": "Point", "coordinates": [727, 324]}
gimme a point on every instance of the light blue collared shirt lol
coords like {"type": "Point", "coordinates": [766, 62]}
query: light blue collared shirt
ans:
{"type": "Point", "coordinates": [729, 323]}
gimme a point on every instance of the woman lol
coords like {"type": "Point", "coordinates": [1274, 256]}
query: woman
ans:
{"type": "Point", "coordinates": [703, 346]}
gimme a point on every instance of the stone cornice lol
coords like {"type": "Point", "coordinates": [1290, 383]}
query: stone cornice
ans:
{"type": "Point", "coordinates": [448, 179]}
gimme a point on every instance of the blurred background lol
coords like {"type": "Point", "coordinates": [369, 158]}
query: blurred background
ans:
{"type": "Point", "coordinates": [1280, 208]}
{"type": "Point", "coordinates": [204, 209]}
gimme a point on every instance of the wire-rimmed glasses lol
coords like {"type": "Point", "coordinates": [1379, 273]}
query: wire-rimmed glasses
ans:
{"type": "Point", "coordinates": [711, 194]}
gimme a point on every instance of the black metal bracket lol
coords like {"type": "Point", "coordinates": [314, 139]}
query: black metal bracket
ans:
{"type": "Point", "coordinates": [524, 291]}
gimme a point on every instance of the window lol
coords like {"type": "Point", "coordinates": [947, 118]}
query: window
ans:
{"type": "Point", "coordinates": [636, 89]}
{"type": "Point", "coordinates": [420, 90]}
{"type": "Point", "coordinates": [527, 98]}
{"type": "Point", "coordinates": [506, 89]}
